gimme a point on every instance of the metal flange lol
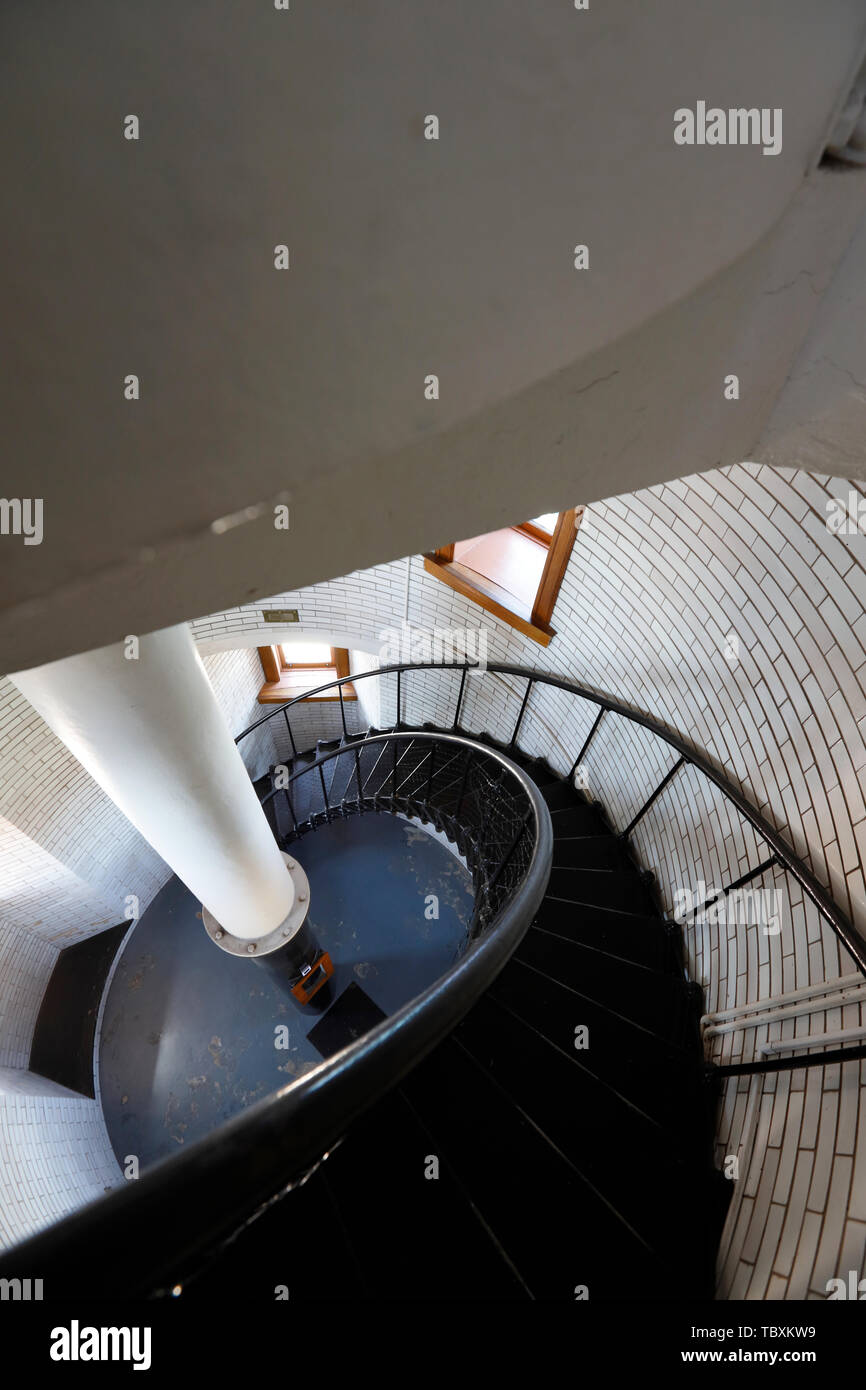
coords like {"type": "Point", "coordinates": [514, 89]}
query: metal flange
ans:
{"type": "Point", "coordinates": [275, 940]}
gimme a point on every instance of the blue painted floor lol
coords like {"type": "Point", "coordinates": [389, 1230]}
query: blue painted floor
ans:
{"type": "Point", "coordinates": [188, 1032]}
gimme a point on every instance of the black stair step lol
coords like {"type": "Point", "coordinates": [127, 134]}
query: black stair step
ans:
{"type": "Point", "coordinates": [656, 1001]}
{"type": "Point", "coordinates": [563, 796]}
{"type": "Point", "coordinates": [377, 765]}
{"type": "Point", "coordinates": [305, 791]}
{"type": "Point", "coordinates": [341, 775]}
{"type": "Point", "coordinates": [557, 1230]}
{"type": "Point", "coordinates": [663, 1080]}
{"type": "Point", "coordinates": [625, 1154]}
{"type": "Point", "coordinates": [644, 940]}
{"type": "Point", "coordinates": [299, 1244]}
{"type": "Point", "coordinates": [619, 889]}
{"type": "Point", "coordinates": [576, 817]}
{"type": "Point", "coordinates": [590, 852]}
{"type": "Point", "coordinates": [414, 1237]}
{"type": "Point", "coordinates": [541, 772]}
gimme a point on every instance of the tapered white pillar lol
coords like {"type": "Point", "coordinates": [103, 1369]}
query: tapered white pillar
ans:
{"type": "Point", "coordinates": [150, 732]}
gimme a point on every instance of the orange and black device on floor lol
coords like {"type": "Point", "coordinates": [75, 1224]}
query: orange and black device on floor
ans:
{"type": "Point", "coordinates": [313, 978]}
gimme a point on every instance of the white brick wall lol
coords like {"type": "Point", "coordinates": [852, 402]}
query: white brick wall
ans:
{"type": "Point", "coordinates": [68, 856]}
{"type": "Point", "coordinates": [54, 1156]}
{"type": "Point", "coordinates": [26, 963]}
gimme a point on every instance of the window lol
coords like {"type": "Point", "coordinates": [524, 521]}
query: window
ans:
{"type": "Point", "coordinates": [515, 573]}
{"type": "Point", "coordinates": [290, 668]}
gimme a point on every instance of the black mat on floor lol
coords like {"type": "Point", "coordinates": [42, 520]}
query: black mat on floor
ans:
{"type": "Point", "coordinates": [65, 1029]}
{"type": "Point", "coordinates": [349, 1017]}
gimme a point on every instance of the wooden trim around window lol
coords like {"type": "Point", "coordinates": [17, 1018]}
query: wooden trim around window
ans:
{"type": "Point", "coordinates": [270, 662]}
{"type": "Point", "coordinates": [535, 533]}
{"type": "Point", "coordinates": [277, 689]}
{"type": "Point", "coordinates": [498, 601]}
{"type": "Point", "coordinates": [558, 556]}
{"type": "Point", "coordinates": [493, 599]}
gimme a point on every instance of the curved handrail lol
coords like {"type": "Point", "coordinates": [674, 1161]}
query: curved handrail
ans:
{"type": "Point", "coordinates": [206, 1192]}
{"type": "Point", "coordinates": [838, 921]}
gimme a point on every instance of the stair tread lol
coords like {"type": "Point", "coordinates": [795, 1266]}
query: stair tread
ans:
{"type": "Point", "coordinates": [618, 888]}
{"type": "Point", "coordinates": [379, 1170]}
{"type": "Point", "coordinates": [627, 1155]}
{"type": "Point", "coordinates": [558, 1230]}
{"type": "Point", "coordinates": [623, 934]}
{"type": "Point", "coordinates": [661, 1078]}
{"type": "Point", "coordinates": [649, 999]}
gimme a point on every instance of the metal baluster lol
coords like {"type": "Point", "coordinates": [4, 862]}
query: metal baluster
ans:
{"type": "Point", "coordinates": [343, 712]}
{"type": "Point", "coordinates": [324, 795]}
{"type": "Point", "coordinates": [624, 834]}
{"type": "Point", "coordinates": [506, 859]}
{"type": "Point", "coordinates": [738, 883]}
{"type": "Point", "coordinates": [520, 715]}
{"type": "Point", "coordinates": [459, 701]}
{"type": "Point", "coordinates": [291, 735]}
{"type": "Point", "coordinates": [358, 778]}
{"type": "Point", "coordinates": [580, 757]}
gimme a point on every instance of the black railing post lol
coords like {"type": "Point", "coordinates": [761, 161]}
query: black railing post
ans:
{"type": "Point", "coordinates": [506, 858]}
{"type": "Point", "coordinates": [456, 723]}
{"type": "Point", "coordinates": [324, 795]}
{"type": "Point", "coordinates": [358, 778]}
{"type": "Point", "coordinates": [291, 735]}
{"type": "Point", "coordinates": [397, 724]}
{"type": "Point", "coordinates": [757, 872]}
{"type": "Point", "coordinates": [343, 712]}
{"type": "Point", "coordinates": [624, 834]}
{"type": "Point", "coordinates": [587, 741]}
{"type": "Point", "coordinates": [291, 809]}
{"type": "Point", "coordinates": [520, 715]}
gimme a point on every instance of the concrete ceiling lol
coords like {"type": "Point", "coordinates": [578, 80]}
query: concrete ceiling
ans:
{"type": "Point", "coordinates": [408, 257]}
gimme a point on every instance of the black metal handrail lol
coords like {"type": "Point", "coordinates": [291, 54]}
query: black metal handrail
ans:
{"type": "Point", "coordinates": [689, 755]}
{"type": "Point", "coordinates": [207, 1192]}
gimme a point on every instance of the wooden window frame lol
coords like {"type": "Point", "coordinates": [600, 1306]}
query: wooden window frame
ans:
{"type": "Point", "coordinates": [535, 533]}
{"type": "Point", "coordinates": [276, 689]}
{"type": "Point", "coordinates": [537, 622]}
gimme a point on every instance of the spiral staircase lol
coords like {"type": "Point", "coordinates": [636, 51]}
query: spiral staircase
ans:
{"type": "Point", "coordinates": [537, 1124]}
{"type": "Point", "coordinates": [558, 1143]}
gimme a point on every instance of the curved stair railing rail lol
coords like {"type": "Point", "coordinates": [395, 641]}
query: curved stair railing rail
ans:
{"type": "Point", "coordinates": [781, 855]}
{"type": "Point", "coordinates": [206, 1193]}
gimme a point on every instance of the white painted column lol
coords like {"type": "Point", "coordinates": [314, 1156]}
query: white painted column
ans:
{"type": "Point", "coordinates": [150, 732]}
